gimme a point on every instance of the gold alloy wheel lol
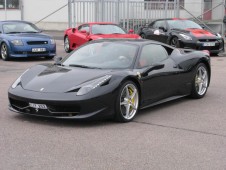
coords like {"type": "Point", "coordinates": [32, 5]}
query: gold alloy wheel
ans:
{"type": "Point", "coordinates": [129, 101]}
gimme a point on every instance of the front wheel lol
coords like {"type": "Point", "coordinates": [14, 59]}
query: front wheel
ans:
{"type": "Point", "coordinates": [4, 52]}
{"type": "Point", "coordinates": [127, 102]}
{"type": "Point", "coordinates": [175, 42]}
{"type": "Point", "coordinates": [200, 82]}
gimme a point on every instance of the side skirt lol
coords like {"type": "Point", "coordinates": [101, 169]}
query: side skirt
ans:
{"type": "Point", "coordinates": [163, 101]}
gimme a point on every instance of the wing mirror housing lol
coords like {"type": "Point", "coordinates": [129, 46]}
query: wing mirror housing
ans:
{"type": "Point", "coordinates": [73, 30]}
{"type": "Point", "coordinates": [156, 66]}
{"type": "Point", "coordinates": [58, 60]}
{"type": "Point", "coordinates": [131, 31]}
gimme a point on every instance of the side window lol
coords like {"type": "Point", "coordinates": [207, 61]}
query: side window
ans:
{"type": "Point", "coordinates": [84, 27]}
{"type": "Point", "coordinates": [159, 24]}
{"type": "Point", "coordinates": [151, 54]}
{"type": "Point", "coordinates": [151, 24]}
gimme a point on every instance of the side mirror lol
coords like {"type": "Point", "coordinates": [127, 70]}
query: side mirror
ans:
{"type": "Point", "coordinates": [156, 66]}
{"type": "Point", "coordinates": [163, 29]}
{"type": "Point", "coordinates": [83, 31]}
{"type": "Point", "coordinates": [0, 32]}
{"type": "Point", "coordinates": [131, 31]}
{"type": "Point", "coordinates": [58, 60]}
{"type": "Point", "coordinates": [73, 30]}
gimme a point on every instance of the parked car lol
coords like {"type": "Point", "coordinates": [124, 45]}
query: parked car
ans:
{"type": "Point", "coordinates": [183, 33]}
{"type": "Point", "coordinates": [75, 37]}
{"type": "Point", "coordinates": [110, 78]}
{"type": "Point", "coordinates": [24, 39]}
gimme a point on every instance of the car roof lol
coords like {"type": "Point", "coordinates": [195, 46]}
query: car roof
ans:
{"type": "Point", "coordinates": [171, 19]}
{"type": "Point", "coordinates": [13, 21]}
{"type": "Point", "coordinates": [93, 23]}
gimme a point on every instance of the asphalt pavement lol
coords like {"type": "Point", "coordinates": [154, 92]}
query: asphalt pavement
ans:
{"type": "Point", "coordinates": [178, 135]}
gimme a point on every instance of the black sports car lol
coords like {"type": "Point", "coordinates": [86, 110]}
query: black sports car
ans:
{"type": "Point", "coordinates": [110, 78]}
{"type": "Point", "coordinates": [183, 33]}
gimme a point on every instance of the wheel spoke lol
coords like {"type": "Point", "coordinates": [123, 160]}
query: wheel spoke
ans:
{"type": "Point", "coordinates": [134, 93]}
{"type": "Point", "coordinates": [127, 111]}
{"type": "Point", "coordinates": [200, 88]}
{"type": "Point", "coordinates": [127, 92]}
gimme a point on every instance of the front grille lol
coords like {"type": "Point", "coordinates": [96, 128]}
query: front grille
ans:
{"type": "Point", "coordinates": [43, 52]}
{"type": "Point", "coordinates": [217, 47]}
{"type": "Point", "coordinates": [52, 111]}
{"type": "Point", "coordinates": [207, 40]}
{"type": "Point", "coordinates": [37, 42]}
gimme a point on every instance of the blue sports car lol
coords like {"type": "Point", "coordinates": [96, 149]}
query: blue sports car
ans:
{"type": "Point", "coordinates": [24, 39]}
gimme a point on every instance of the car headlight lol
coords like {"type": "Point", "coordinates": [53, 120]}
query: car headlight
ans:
{"type": "Point", "coordinates": [18, 80]}
{"type": "Point", "coordinates": [219, 35]}
{"type": "Point", "coordinates": [52, 41]}
{"type": "Point", "coordinates": [93, 84]}
{"type": "Point", "coordinates": [186, 37]}
{"type": "Point", "coordinates": [17, 42]}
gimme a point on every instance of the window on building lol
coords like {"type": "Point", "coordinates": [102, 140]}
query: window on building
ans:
{"type": "Point", "coordinates": [10, 4]}
{"type": "Point", "coordinates": [160, 4]}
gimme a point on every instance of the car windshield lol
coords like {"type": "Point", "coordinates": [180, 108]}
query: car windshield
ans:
{"type": "Point", "coordinates": [19, 27]}
{"type": "Point", "coordinates": [182, 24]}
{"type": "Point", "coordinates": [103, 55]}
{"type": "Point", "coordinates": [107, 29]}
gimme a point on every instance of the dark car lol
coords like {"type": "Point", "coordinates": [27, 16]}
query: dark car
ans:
{"type": "Point", "coordinates": [182, 33]}
{"type": "Point", "coordinates": [110, 78]}
{"type": "Point", "coordinates": [24, 39]}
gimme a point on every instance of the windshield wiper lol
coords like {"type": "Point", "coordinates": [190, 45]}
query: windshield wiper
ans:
{"type": "Point", "coordinates": [82, 66]}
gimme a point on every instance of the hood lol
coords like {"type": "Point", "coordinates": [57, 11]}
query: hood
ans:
{"type": "Point", "coordinates": [200, 32]}
{"type": "Point", "coordinates": [23, 36]}
{"type": "Point", "coordinates": [58, 79]}
{"type": "Point", "coordinates": [195, 32]}
{"type": "Point", "coordinates": [132, 36]}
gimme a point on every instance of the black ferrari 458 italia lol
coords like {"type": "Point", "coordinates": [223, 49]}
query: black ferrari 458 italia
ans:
{"type": "Point", "coordinates": [110, 78]}
{"type": "Point", "coordinates": [182, 33]}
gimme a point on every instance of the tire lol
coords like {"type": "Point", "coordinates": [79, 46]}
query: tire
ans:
{"type": "Point", "coordinates": [127, 102]}
{"type": "Point", "coordinates": [67, 45]}
{"type": "Point", "coordinates": [143, 36]}
{"type": "Point", "coordinates": [200, 82]}
{"type": "Point", "coordinates": [175, 42]}
{"type": "Point", "coordinates": [4, 52]}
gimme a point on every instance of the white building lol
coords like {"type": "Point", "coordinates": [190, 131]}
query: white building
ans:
{"type": "Point", "coordinates": [35, 10]}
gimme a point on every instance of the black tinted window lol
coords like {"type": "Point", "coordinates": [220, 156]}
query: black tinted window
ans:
{"type": "Point", "coordinates": [152, 54]}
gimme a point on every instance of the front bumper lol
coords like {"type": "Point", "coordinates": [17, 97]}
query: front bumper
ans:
{"type": "Point", "coordinates": [199, 45]}
{"type": "Point", "coordinates": [26, 51]}
{"type": "Point", "coordinates": [61, 105]}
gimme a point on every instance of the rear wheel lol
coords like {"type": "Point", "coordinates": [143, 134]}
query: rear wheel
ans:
{"type": "Point", "coordinates": [127, 102]}
{"type": "Point", "coordinates": [200, 82]}
{"type": "Point", "coordinates": [4, 52]}
{"type": "Point", "coordinates": [67, 44]}
{"type": "Point", "coordinates": [143, 36]}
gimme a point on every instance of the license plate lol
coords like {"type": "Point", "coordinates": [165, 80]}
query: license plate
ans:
{"type": "Point", "coordinates": [36, 50]}
{"type": "Point", "coordinates": [209, 44]}
{"type": "Point", "coordinates": [38, 106]}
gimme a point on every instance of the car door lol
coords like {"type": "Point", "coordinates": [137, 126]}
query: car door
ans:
{"type": "Point", "coordinates": [80, 38]}
{"type": "Point", "coordinates": [160, 83]}
{"type": "Point", "coordinates": [159, 31]}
